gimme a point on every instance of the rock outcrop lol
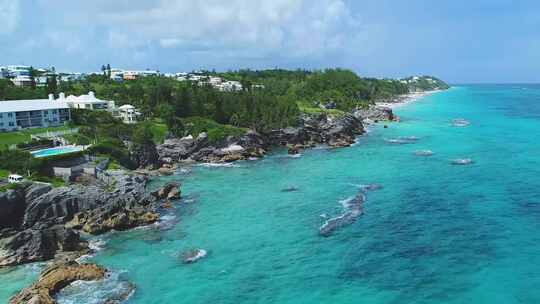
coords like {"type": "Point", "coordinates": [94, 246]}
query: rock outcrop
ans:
{"type": "Point", "coordinates": [41, 221]}
{"type": "Point", "coordinates": [352, 209]}
{"type": "Point", "coordinates": [145, 156]}
{"type": "Point", "coordinates": [37, 244]}
{"type": "Point", "coordinates": [374, 114]}
{"type": "Point", "coordinates": [322, 129]}
{"type": "Point", "coordinates": [173, 150]}
{"type": "Point", "coordinates": [54, 278]}
{"type": "Point", "coordinates": [193, 255]}
{"type": "Point", "coordinates": [170, 191]}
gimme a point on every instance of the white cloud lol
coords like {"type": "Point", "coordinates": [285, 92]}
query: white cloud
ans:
{"type": "Point", "coordinates": [290, 27]}
{"type": "Point", "coordinates": [9, 15]}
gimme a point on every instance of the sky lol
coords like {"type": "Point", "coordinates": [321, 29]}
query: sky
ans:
{"type": "Point", "coordinates": [458, 41]}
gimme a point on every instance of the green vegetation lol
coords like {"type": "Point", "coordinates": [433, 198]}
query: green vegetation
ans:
{"type": "Point", "coordinates": [159, 130]}
{"type": "Point", "coordinates": [21, 162]}
{"type": "Point", "coordinates": [426, 83]}
{"type": "Point", "coordinates": [215, 131]}
{"type": "Point", "coordinates": [270, 99]}
{"type": "Point", "coordinates": [54, 181]}
{"type": "Point", "coordinates": [12, 138]}
{"type": "Point", "coordinates": [9, 187]}
{"type": "Point", "coordinates": [4, 173]}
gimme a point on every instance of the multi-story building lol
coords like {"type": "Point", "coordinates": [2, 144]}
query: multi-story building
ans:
{"type": "Point", "coordinates": [127, 113]}
{"type": "Point", "coordinates": [20, 114]}
{"type": "Point", "coordinates": [22, 81]}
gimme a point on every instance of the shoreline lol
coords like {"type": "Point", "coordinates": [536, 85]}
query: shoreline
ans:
{"type": "Point", "coordinates": [406, 99]}
{"type": "Point", "coordinates": [338, 142]}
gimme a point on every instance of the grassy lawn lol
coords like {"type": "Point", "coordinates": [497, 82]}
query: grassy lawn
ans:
{"type": "Point", "coordinates": [316, 110]}
{"type": "Point", "coordinates": [195, 125]}
{"type": "Point", "coordinates": [4, 173]}
{"type": "Point", "coordinates": [11, 138]}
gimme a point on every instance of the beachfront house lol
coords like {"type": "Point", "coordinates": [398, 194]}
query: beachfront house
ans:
{"type": "Point", "coordinates": [33, 113]}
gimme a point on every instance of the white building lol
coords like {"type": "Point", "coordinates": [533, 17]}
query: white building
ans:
{"type": "Point", "coordinates": [127, 113]}
{"type": "Point", "coordinates": [88, 101]}
{"type": "Point", "coordinates": [20, 114]}
{"type": "Point", "coordinates": [230, 86]}
{"type": "Point", "coordinates": [22, 81]}
{"type": "Point", "coordinates": [18, 70]}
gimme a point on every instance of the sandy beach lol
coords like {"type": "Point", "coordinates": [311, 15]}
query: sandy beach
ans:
{"type": "Point", "coordinates": [406, 99]}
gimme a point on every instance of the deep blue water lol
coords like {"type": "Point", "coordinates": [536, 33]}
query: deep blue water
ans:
{"type": "Point", "coordinates": [435, 233]}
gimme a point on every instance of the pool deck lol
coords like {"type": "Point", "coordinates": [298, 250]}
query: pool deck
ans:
{"type": "Point", "coordinates": [60, 150]}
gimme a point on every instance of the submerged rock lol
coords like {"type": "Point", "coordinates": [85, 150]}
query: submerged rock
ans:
{"type": "Point", "coordinates": [460, 122]}
{"type": "Point", "coordinates": [290, 189]}
{"type": "Point", "coordinates": [423, 153]}
{"type": "Point", "coordinates": [352, 209]}
{"type": "Point", "coordinates": [193, 255]}
{"type": "Point", "coordinates": [462, 161]}
{"type": "Point", "coordinates": [55, 278]}
{"type": "Point", "coordinates": [402, 140]}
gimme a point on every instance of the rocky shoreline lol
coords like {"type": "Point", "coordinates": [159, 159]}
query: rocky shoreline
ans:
{"type": "Point", "coordinates": [312, 130]}
{"type": "Point", "coordinates": [41, 223]}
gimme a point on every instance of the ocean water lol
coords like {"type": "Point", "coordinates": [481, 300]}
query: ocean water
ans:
{"type": "Point", "coordinates": [435, 233]}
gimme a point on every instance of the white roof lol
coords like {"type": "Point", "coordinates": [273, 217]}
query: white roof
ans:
{"type": "Point", "coordinates": [126, 107]}
{"type": "Point", "coordinates": [88, 98]}
{"type": "Point", "coordinates": [31, 105]}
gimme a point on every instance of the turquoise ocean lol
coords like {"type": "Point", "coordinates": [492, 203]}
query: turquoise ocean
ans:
{"type": "Point", "coordinates": [434, 233]}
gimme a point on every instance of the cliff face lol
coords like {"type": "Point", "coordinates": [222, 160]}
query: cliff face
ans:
{"type": "Point", "coordinates": [39, 221]}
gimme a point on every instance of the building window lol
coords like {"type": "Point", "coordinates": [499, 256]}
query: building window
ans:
{"type": "Point", "coordinates": [10, 114]}
{"type": "Point", "coordinates": [1, 115]}
{"type": "Point", "coordinates": [11, 124]}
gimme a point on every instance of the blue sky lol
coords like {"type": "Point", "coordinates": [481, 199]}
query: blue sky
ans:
{"type": "Point", "coordinates": [459, 41]}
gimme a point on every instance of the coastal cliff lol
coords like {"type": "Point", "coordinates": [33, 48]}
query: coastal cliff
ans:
{"type": "Point", "coordinates": [40, 221]}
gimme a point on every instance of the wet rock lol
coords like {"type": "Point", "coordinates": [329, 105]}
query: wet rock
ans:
{"type": "Point", "coordinates": [352, 210]}
{"type": "Point", "coordinates": [193, 255]}
{"type": "Point", "coordinates": [290, 189]}
{"type": "Point", "coordinates": [402, 140]}
{"type": "Point", "coordinates": [55, 278]}
{"type": "Point", "coordinates": [462, 161]}
{"type": "Point", "coordinates": [423, 153]}
{"type": "Point", "coordinates": [460, 122]}
{"type": "Point", "coordinates": [165, 171]}
{"type": "Point", "coordinates": [294, 149]}
{"type": "Point", "coordinates": [170, 191]}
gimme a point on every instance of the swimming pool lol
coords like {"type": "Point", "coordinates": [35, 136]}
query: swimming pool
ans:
{"type": "Point", "coordinates": [56, 151]}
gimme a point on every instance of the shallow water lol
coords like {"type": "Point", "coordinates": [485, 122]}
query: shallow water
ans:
{"type": "Point", "coordinates": [434, 233]}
